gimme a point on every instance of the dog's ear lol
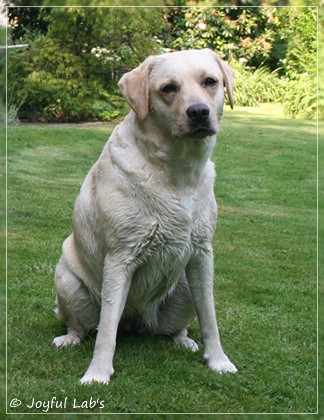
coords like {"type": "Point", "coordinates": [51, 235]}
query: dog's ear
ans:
{"type": "Point", "coordinates": [134, 86]}
{"type": "Point", "coordinates": [228, 75]}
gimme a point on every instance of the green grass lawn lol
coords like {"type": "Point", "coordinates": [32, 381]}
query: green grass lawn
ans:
{"type": "Point", "coordinates": [265, 277]}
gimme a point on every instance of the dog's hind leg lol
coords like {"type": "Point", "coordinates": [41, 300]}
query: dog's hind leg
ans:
{"type": "Point", "coordinates": [74, 306]}
{"type": "Point", "coordinates": [176, 313]}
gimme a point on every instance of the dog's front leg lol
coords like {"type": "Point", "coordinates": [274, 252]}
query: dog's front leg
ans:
{"type": "Point", "coordinates": [115, 287]}
{"type": "Point", "coordinates": [199, 272]}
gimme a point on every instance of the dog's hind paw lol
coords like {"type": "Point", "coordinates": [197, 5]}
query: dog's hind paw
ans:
{"type": "Point", "coordinates": [183, 340]}
{"type": "Point", "coordinates": [66, 340]}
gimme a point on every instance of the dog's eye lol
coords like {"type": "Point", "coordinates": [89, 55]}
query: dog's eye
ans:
{"type": "Point", "coordinates": [170, 88]}
{"type": "Point", "coordinates": [209, 81]}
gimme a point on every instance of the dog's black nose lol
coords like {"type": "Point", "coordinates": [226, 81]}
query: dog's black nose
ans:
{"type": "Point", "coordinates": [198, 112]}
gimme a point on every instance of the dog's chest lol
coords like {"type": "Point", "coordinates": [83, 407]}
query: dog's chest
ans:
{"type": "Point", "coordinates": [161, 255]}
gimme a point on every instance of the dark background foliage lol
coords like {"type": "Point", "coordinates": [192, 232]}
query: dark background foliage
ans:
{"type": "Point", "coordinates": [76, 55]}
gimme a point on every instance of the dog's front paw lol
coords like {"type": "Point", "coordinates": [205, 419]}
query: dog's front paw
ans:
{"type": "Point", "coordinates": [95, 375]}
{"type": "Point", "coordinates": [220, 365]}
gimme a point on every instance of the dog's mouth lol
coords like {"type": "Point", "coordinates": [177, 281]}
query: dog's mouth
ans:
{"type": "Point", "coordinates": [201, 131]}
{"type": "Point", "coordinates": [196, 131]}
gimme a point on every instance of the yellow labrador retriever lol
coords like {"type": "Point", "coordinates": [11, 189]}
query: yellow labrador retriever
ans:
{"type": "Point", "coordinates": [141, 255]}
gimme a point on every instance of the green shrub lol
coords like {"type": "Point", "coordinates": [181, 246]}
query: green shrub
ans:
{"type": "Point", "coordinates": [44, 82]}
{"type": "Point", "coordinates": [112, 108]}
{"type": "Point", "coordinates": [254, 86]}
{"type": "Point", "coordinates": [299, 97]}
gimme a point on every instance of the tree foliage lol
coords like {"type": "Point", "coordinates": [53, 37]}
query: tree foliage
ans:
{"type": "Point", "coordinates": [28, 22]}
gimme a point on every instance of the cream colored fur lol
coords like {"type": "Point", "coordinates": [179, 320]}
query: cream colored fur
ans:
{"type": "Point", "coordinates": [140, 255]}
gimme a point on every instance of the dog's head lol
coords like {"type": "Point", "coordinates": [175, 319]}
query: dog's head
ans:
{"type": "Point", "coordinates": [183, 91]}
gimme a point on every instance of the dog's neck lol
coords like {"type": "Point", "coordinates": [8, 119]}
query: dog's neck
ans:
{"type": "Point", "coordinates": [183, 159]}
